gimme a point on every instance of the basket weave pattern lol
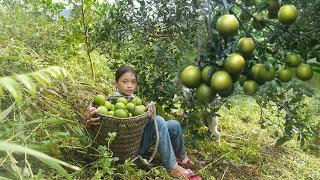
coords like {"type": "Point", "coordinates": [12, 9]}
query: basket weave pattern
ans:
{"type": "Point", "coordinates": [129, 132]}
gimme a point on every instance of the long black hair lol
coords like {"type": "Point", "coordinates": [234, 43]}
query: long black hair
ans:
{"type": "Point", "coordinates": [124, 69]}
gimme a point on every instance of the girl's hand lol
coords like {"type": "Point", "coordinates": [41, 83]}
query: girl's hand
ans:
{"type": "Point", "coordinates": [89, 120]}
{"type": "Point", "coordinates": [151, 109]}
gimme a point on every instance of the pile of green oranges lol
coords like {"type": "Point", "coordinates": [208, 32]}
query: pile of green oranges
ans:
{"type": "Point", "coordinates": [120, 107]}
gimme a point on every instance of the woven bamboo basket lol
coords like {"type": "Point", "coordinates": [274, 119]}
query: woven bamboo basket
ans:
{"type": "Point", "coordinates": [129, 132]}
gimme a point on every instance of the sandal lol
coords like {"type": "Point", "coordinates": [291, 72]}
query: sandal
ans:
{"type": "Point", "coordinates": [186, 162]}
{"type": "Point", "coordinates": [186, 175]}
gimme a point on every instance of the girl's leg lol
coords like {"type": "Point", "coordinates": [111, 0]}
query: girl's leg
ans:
{"type": "Point", "coordinates": [167, 154]}
{"type": "Point", "coordinates": [175, 133]}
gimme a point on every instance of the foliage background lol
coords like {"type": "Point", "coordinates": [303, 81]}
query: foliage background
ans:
{"type": "Point", "coordinates": [69, 59]}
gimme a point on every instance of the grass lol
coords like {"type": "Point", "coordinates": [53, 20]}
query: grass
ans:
{"type": "Point", "coordinates": [248, 152]}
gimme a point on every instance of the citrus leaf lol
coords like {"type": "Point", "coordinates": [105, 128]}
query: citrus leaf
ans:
{"type": "Point", "coordinates": [42, 78]}
{"type": "Point", "coordinates": [51, 161]}
{"type": "Point", "coordinates": [13, 87]}
{"type": "Point", "coordinates": [27, 82]}
{"type": "Point", "coordinates": [6, 112]}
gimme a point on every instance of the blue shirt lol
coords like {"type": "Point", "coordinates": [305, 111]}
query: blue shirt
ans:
{"type": "Point", "coordinates": [119, 94]}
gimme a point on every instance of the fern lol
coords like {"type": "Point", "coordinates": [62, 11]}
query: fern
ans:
{"type": "Point", "coordinates": [14, 84]}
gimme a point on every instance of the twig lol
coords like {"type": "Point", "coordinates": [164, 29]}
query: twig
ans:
{"type": "Point", "coordinates": [224, 172]}
{"type": "Point", "coordinates": [214, 161]}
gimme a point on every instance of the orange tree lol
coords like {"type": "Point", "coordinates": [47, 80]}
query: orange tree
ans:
{"type": "Point", "coordinates": [264, 50]}
{"type": "Point", "coordinates": [253, 47]}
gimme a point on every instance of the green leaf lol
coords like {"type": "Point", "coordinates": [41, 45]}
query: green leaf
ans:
{"type": "Point", "coordinates": [6, 112]}
{"type": "Point", "coordinates": [4, 178]}
{"type": "Point", "coordinates": [27, 82]}
{"type": "Point", "coordinates": [54, 73]}
{"type": "Point", "coordinates": [42, 78]}
{"type": "Point", "coordinates": [9, 58]}
{"type": "Point", "coordinates": [13, 87]}
{"type": "Point", "coordinates": [51, 161]}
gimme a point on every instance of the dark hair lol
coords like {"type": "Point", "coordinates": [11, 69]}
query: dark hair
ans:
{"type": "Point", "coordinates": [124, 69]}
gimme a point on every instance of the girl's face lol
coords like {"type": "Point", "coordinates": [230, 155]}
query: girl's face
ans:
{"type": "Point", "coordinates": [127, 84]}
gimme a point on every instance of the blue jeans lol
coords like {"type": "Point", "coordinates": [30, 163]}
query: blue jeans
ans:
{"type": "Point", "coordinates": [170, 141]}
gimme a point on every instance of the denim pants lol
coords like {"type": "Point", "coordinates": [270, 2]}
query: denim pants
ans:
{"type": "Point", "coordinates": [170, 143]}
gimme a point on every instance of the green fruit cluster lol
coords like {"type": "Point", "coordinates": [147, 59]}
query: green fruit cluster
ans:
{"type": "Point", "coordinates": [120, 107]}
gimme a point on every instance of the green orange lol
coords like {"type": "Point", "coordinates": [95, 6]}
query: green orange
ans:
{"type": "Point", "coordinates": [234, 64]}
{"type": "Point", "coordinates": [246, 46]}
{"type": "Point", "coordinates": [99, 100]}
{"type": "Point", "coordinates": [284, 74]}
{"type": "Point", "coordinates": [120, 113]}
{"type": "Point", "coordinates": [190, 77]}
{"type": "Point", "coordinates": [227, 25]}
{"type": "Point", "coordinates": [130, 107]}
{"type": "Point", "coordinates": [138, 111]}
{"type": "Point", "coordinates": [206, 73]}
{"type": "Point", "coordinates": [304, 72]}
{"type": "Point", "coordinates": [119, 105]}
{"type": "Point", "coordinates": [137, 101]}
{"type": "Point", "coordinates": [102, 110]}
{"type": "Point", "coordinates": [221, 81]}
{"type": "Point", "coordinates": [287, 14]}
{"type": "Point", "coordinates": [123, 100]}
{"type": "Point", "coordinates": [293, 59]}
{"type": "Point", "coordinates": [204, 93]}
{"type": "Point", "coordinates": [250, 87]}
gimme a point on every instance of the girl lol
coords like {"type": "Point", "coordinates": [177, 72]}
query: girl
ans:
{"type": "Point", "coordinates": [171, 147]}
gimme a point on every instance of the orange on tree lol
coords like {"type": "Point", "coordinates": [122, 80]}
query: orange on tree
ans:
{"type": "Point", "coordinates": [242, 79]}
{"type": "Point", "coordinates": [304, 72]}
{"type": "Point", "coordinates": [99, 100]}
{"type": "Point", "coordinates": [206, 73]}
{"type": "Point", "coordinates": [204, 93]}
{"type": "Point", "coordinates": [234, 64]}
{"type": "Point", "coordinates": [246, 46]}
{"type": "Point", "coordinates": [221, 81]}
{"type": "Point", "coordinates": [255, 71]}
{"type": "Point", "coordinates": [287, 14]}
{"type": "Point", "coordinates": [293, 60]}
{"type": "Point", "coordinates": [273, 6]}
{"type": "Point", "coordinates": [285, 74]}
{"type": "Point", "coordinates": [190, 77]}
{"type": "Point", "coordinates": [263, 72]}
{"type": "Point", "coordinates": [267, 72]}
{"type": "Point", "coordinates": [227, 25]}
{"type": "Point", "coordinates": [250, 87]}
